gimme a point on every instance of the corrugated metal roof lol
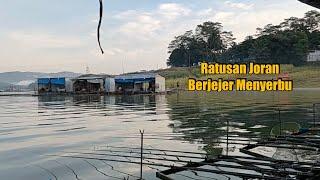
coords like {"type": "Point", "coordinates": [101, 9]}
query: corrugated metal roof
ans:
{"type": "Point", "coordinates": [96, 75]}
{"type": "Point", "coordinates": [93, 76]}
{"type": "Point", "coordinates": [89, 78]}
{"type": "Point", "coordinates": [136, 76]}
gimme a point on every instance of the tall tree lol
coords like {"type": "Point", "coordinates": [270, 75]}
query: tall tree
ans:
{"type": "Point", "coordinates": [288, 42]}
{"type": "Point", "coordinates": [214, 38]}
{"type": "Point", "coordinates": [189, 48]}
{"type": "Point", "coordinates": [312, 21]}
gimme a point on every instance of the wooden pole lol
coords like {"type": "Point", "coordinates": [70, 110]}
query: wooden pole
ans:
{"type": "Point", "coordinates": [227, 137]}
{"type": "Point", "coordinates": [141, 155]}
{"type": "Point", "coordinates": [280, 125]}
{"type": "Point", "coordinates": [314, 115]}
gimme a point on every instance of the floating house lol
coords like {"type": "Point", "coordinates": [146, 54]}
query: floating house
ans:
{"type": "Point", "coordinates": [314, 56]}
{"type": "Point", "coordinates": [140, 83]}
{"type": "Point", "coordinates": [103, 84]}
{"type": "Point", "coordinates": [54, 85]}
{"type": "Point", "coordinates": [94, 84]}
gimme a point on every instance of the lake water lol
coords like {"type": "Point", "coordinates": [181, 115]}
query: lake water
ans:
{"type": "Point", "coordinates": [34, 128]}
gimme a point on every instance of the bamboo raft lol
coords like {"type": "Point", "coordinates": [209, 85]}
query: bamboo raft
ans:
{"type": "Point", "coordinates": [176, 164]}
{"type": "Point", "coordinates": [199, 165]}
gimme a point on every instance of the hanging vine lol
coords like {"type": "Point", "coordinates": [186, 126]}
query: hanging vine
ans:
{"type": "Point", "coordinates": [99, 24]}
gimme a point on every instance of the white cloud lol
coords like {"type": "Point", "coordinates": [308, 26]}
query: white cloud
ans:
{"type": "Point", "coordinates": [141, 25]}
{"type": "Point", "coordinates": [245, 23]}
{"type": "Point", "coordinates": [146, 23]}
{"type": "Point", "coordinates": [125, 15]}
{"type": "Point", "coordinates": [44, 40]}
{"type": "Point", "coordinates": [223, 16]}
{"type": "Point", "coordinates": [205, 12]}
{"type": "Point", "coordinates": [173, 10]}
{"type": "Point", "coordinates": [112, 51]}
{"type": "Point", "coordinates": [239, 5]}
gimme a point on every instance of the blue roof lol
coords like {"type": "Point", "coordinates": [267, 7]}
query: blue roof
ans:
{"type": "Point", "coordinates": [58, 81]}
{"type": "Point", "coordinates": [55, 81]}
{"type": "Point", "coordinates": [136, 76]}
{"type": "Point", "coordinates": [43, 80]}
{"type": "Point", "coordinates": [132, 78]}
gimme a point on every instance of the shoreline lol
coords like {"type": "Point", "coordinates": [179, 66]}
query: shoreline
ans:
{"type": "Point", "coordinates": [169, 91]}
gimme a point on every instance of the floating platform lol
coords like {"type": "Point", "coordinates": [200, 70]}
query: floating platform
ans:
{"type": "Point", "coordinates": [257, 165]}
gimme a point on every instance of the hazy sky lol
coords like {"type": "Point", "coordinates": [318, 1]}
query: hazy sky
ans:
{"type": "Point", "coordinates": [60, 35]}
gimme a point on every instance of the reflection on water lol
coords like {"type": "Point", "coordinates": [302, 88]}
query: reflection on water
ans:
{"type": "Point", "coordinates": [33, 127]}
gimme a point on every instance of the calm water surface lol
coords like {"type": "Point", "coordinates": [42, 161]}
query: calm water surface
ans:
{"type": "Point", "coordinates": [32, 128]}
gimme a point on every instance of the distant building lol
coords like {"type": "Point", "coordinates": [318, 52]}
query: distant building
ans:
{"type": "Point", "coordinates": [94, 84]}
{"type": "Point", "coordinates": [100, 84]}
{"type": "Point", "coordinates": [54, 85]}
{"type": "Point", "coordinates": [109, 85]}
{"type": "Point", "coordinates": [140, 83]}
{"type": "Point", "coordinates": [314, 56]}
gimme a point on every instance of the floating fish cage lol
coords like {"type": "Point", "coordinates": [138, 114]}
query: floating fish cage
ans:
{"type": "Point", "coordinates": [176, 164]}
{"type": "Point", "coordinates": [256, 164]}
{"type": "Point", "coordinates": [243, 167]}
{"type": "Point", "coordinates": [294, 156]}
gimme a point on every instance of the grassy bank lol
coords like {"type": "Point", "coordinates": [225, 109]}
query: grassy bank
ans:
{"type": "Point", "coordinates": [303, 77]}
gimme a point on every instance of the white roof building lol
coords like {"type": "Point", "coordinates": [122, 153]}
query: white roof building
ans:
{"type": "Point", "coordinates": [314, 56]}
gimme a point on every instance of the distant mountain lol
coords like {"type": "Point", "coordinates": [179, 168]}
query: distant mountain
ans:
{"type": "Point", "coordinates": [18, 78]}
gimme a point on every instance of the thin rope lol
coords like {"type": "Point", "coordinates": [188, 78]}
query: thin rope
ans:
{"type": "Point", "coordinates": [96, 168]}
{"type": "Point", "coordinates": [99, 25]}
{"type": "Point", "coordinates": [68, 167]}
{"type": "Point", "coordinates": [48, 171]}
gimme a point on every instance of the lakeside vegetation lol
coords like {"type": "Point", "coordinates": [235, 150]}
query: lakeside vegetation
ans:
{"type": "Point", "coordinates": [307, 76]}
{"type": "Point", "coordinates": [286, 43]}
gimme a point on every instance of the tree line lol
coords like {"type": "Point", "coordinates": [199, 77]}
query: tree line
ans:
{"type": "Point", "coordinates": [286, 43]}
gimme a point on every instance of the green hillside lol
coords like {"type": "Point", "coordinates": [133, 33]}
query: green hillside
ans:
{"type": "Point", "coordinates": [302, 76]}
